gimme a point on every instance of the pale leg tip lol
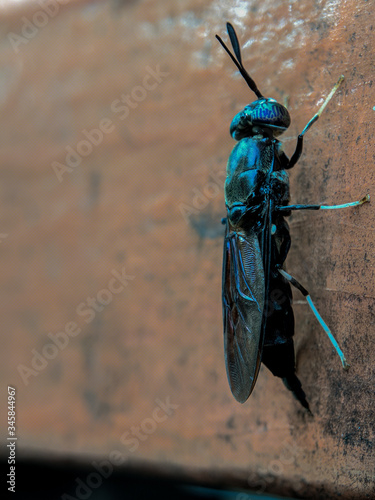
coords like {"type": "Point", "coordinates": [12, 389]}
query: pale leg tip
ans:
{"type": "Point", "coordinates": [365, 199]}
{"type": "Point", "coordinates": [345, 364]}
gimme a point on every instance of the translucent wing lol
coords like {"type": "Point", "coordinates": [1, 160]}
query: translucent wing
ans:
{"type": "Point", "coordinates": [243, 303]}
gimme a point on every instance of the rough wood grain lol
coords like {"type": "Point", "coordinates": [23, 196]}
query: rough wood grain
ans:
{"type": "Point", "coordinates": [123, 209]}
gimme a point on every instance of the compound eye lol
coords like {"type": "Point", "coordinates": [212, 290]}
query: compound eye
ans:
{"type": "Point", "coordinates": [270, 113]}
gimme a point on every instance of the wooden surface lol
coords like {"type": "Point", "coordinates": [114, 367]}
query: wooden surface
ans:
{"type": "Point", "coordinates": [141, 377]}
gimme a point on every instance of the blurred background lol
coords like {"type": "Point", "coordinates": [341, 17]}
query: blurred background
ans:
{"type": "Point", "coordinates": [114, 140]}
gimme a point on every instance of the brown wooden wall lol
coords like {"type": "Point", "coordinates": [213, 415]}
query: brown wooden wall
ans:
{"type": "Point", "coordinates": [114, 142]}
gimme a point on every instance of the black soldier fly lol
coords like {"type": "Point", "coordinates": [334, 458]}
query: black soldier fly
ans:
{"type": "Point", "coordinates": [257, 298]}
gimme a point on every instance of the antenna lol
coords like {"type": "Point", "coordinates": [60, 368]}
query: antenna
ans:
{"type": "Point", "coordinates": [238, 61]}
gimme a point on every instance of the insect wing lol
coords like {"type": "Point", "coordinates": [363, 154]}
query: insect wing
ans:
{"type": "Point", "coordinates": [243, 302]}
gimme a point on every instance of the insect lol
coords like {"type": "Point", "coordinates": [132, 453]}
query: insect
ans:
{"type": "Point", "coordinates": [256, 294]}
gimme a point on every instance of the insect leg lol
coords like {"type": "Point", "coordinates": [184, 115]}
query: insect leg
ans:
{"type": "Point", "coordinates": [306, 294]}
{"type": "Point", "coordinates": [297, 153]}
{"type": "Point", "coordinates": [328, 98]}
{"type": "Point", "coordinates": [286, 208]}
{"type": "Point", "coordinates": [365, 199]}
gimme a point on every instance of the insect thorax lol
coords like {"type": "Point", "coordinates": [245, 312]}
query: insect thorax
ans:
{"type": "Point", "coordinates": [253, 170]}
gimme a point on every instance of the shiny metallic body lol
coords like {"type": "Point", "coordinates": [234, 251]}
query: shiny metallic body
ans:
{"type": "Point", "coordinates": [258, 318]}
{"type": "Point", "coordinates": [257, 311]}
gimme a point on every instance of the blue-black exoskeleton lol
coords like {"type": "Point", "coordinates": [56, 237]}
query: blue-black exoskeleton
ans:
{"type": "Point", "coordinates": [256, 294]}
